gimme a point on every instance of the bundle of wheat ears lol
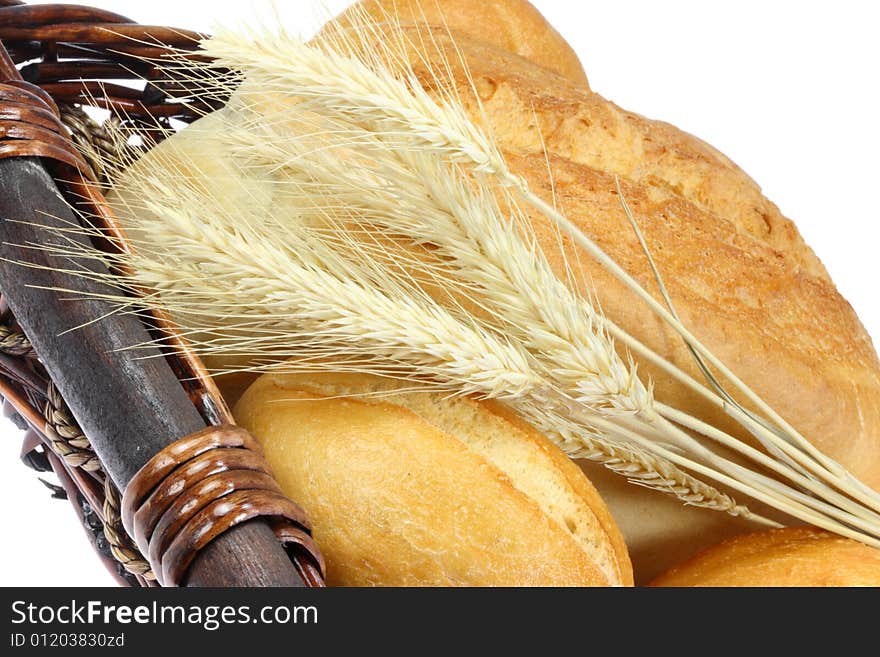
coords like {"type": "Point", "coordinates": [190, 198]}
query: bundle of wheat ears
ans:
{"type": "Point", "coordinates": [403, 248]}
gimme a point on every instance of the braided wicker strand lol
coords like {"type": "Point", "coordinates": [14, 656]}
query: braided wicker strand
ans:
{"type": "Point", "coordinates": [65, 437]}
{"type": "Point", "coordinates": [69, 56]}
{"type": "Point", "coordinates": [201, 486]}
{"type": "Point", "coordinates": [121, 545]}
{"type": "Point", "coordinates": [14, 343]}
{"type": "Point", "coordinates": [90, 137]}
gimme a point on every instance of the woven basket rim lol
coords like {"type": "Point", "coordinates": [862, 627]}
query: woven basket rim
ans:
{"type": "Point", "coordinates": [54, 47]}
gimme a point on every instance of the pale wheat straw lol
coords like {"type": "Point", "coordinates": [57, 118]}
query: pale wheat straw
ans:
{"type": "Point", "coordinates": [235, 284]}
{"type": "Point", "coordinates": [416, 197]}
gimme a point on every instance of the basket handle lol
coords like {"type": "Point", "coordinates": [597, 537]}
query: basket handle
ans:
{"type": "Point", "coordinates": [130, 404]}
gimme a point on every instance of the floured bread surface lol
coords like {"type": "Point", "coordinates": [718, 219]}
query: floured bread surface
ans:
{"type": "Point", "coordinates": [414, 488]}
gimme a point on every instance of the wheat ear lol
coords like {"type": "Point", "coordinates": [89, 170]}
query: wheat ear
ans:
{"type": "Point", "coordinates": [432, 129]}
{"type": "Point", "coordinates": [308, 166]}
{"type": "Point", "coordinates": [350, 96]}
{"type": "Point", "coordinates": [226, 277]}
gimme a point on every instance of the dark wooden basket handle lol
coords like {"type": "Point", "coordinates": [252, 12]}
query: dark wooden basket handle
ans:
{"type": "Point", "coordinates": [131, 405]}
{"type": "Point", "coordinates": [198, 488]}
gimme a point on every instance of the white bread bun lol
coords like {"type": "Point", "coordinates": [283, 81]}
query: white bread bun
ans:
{"type": "Point", "coordinates": [417, 489]}
{"type": "Point", "coordinates": [796, 556]}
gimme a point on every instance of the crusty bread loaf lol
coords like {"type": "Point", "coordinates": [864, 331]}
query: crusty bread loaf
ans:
{"type": "Point", "coordinates": [529, 110]}
{"type": "Point", "coordinates": [514, 26]}
{"type": "Point", "coordinates": [797, 556]}
{"type": "Point", "coordinates": [414, 488]}
{"type": "Point", "coordinates": [789, 336]}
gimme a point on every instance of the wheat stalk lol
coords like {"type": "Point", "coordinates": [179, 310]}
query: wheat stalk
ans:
{"type": "Point", "coordinates": [353, 142]}
{"type": "Point", "coordinates": [313, 166]}
{"type": "Point", "coordinates": [228, 278]}
{"type": "Point", "coordinates": [198, 236]}
{"type": "Point", "coordinates": [217, 272]}
{"type": "Point", "coordinates": [445, 131]}
{"type": "Point", "coordinates": [415, 197]}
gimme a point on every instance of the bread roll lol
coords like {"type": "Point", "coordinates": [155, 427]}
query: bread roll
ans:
{"type": "Point", "coordinates": [797, 556]}
{"type": "Point", "coordinates": [416, 489]}
{"type": "Point", "coordinates": [514, 26]}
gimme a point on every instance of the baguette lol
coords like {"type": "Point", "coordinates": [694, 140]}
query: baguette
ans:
{"type": "Point", "coordinates": [796, 556]}
{"type": "Point", "coordinates": [413, 488]}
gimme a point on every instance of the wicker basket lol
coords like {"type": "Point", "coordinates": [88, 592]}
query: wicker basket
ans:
{"type": "Point", "coordinates": [149, 431]}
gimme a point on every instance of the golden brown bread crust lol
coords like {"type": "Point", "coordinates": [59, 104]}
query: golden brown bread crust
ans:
{"type": "Point", "coordinates": [514, 26]}
{"type": "Point", "coordinates": [745, 281]}
{"type": "Point", "coordinates": [528, 110]}
{"type": "Point", "coordinates": [789, 335]}
{"type": "Point", "coordinates": [582, 485]}
{"type": "Point", "coordinates": [796, 556]}
{"type": "Point", "coordinates": [395, 500]}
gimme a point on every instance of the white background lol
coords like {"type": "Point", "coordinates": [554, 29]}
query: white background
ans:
{"type": "Point", "coordinates": [790, 90]}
